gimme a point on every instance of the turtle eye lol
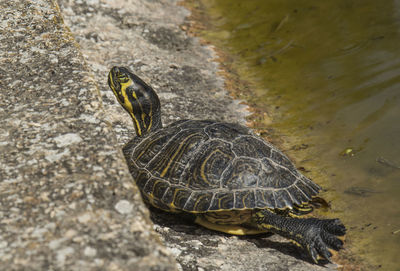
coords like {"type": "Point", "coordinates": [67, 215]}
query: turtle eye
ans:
{"type": "Point", "coordinates": [122, 77]}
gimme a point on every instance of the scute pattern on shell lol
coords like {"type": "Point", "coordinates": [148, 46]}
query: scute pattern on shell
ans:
{"type": "Point", "coordinates": [201, 166]}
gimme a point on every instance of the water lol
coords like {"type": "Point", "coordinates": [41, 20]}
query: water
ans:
{"type": "Point", "coordinates": [327, 73]}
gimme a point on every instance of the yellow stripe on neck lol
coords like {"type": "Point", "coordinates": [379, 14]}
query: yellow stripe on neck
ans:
{"type": "Point", "coordinates": [128, 105]}
{"type": "Point", "coordinates": [137, 125]}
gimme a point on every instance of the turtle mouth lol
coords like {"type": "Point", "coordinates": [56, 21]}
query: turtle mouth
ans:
{"type": "Point", "coordinates": [112, 77]}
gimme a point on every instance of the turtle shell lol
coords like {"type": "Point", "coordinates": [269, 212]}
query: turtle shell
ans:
{"type": "Point", "coordinates": [201, 166]}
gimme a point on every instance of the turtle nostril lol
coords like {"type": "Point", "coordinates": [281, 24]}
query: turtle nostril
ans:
{"type": "Point", "coordinates": [116, 70]}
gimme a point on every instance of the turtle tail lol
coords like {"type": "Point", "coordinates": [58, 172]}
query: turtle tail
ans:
{"type": "Point", "coordinates": [315, 235]}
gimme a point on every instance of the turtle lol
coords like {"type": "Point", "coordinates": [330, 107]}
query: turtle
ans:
{"type": "Point", "coordinates": [222, 174]}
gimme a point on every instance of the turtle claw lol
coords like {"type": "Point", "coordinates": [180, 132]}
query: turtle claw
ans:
{"type": "Point", "coordinates": [313, 253]}
{"type": "Point", "coordinates": [321, 236]}
{"type": "Point", "coordinates": [318, 250]}
{"type": "Point", "coordinates": [333, 242]}
{"type": "Point", "coordinates": [317, 236]}
{"type": "Point", "coordinates": [323, 250]}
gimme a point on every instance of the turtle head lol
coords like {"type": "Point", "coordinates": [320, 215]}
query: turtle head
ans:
{"type": "Point", "coordinates": [138, 99]}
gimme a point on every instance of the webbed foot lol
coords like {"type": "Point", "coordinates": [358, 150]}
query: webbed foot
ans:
{"type": "Point", "coordinates": [321, 235]}
{"type": "Point", "coordinates": [315, 235]}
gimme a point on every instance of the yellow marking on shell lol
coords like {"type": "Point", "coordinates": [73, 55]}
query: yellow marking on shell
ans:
{"type": "Point", "coordinates": [145, 149]}
{"type": "Point", "coordinates": [220, 202]}
{"type": "Point", "coordinates": [197, 201]}
{"type": "Point", "coordinates": [172, 159]}
{"type": "Point", "coordinates": [215, 211]}
{"type": "Point", "coordinates": [203, 165]}
{"type": "Point", "coordinates": [262, 195]}
{"type": "Point", "coordinates": [305, 208]}
{"type": "Point", "coordinates": [150, 199]}
{"type": "Point", "coordinates": [154, 185]}
{"type": "Point", "coordinates": [166, 160]}
{"type": "Point", "coordinates": [299, 211]}
{"type": "Point", "coordinates": [230, 229]}
{"type": "Point", "coordinates": [244, 198]}
{"type": "Point", "coordinates": [174, 197]}
{"type": "Point", "coordinates": [294, 215]}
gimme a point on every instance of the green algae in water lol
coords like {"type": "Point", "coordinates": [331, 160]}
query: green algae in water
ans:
{"type": "Point", "coordinates": [328, 72]}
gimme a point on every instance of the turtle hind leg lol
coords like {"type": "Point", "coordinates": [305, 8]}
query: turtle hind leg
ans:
{"type": "Point", "coordinates": [317, 236]}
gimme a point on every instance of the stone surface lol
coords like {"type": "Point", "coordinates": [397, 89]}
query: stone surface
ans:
{"type": "Point", "coordinates": [146, 36]}
{"type": "Point", "coordinates": [65, 190]}
{"type": "Point", "coordinates": [67, 200]}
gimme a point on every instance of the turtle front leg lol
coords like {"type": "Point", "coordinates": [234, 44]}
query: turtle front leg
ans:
{"type": "Point", "coordinates": [314, 235]}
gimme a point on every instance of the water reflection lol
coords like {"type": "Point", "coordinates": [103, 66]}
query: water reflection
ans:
{"type": "Point", "coordinates": [328, 72]}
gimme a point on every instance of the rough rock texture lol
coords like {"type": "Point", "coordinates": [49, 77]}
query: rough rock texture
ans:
{"type": "Point", "coordinates": [66, 198]}
{"type": "Point", "coordinates": [146, 36]}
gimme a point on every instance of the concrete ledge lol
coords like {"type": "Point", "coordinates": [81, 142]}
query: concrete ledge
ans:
{"type": "Point", "coordinates": [147, 37]}
{"type": "Point", "coordinates": [66, 198]}
{"type": "Point", "coordinates": [67, 201]}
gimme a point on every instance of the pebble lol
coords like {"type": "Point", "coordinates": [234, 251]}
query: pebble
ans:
{"type": "Point", "coordinates": [124, 207]}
